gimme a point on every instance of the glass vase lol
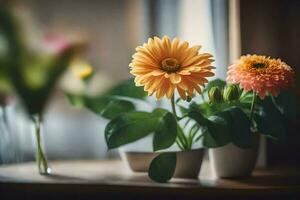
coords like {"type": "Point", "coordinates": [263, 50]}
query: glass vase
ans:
{"type": "Point", "coordinates": [6, 144]}
{"type": "Point", "coordinates": [40, 153]}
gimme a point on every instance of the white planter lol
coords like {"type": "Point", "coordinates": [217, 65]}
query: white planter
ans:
{"type": "Point", "coordinates": [231, 161]}
{"type": "Point", "coordinates": [188, 162]}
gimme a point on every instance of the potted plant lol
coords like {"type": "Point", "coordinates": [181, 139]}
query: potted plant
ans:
{"type": "Point", "coordinates": [33, 73]}
{"type": "Point", "coordinates": [161, 67]}
{"type": "Point", "coordinates": [237, 156]}
{"type": "Point", "coordinates": [233, 150]}
{"type": "Point", "coordinates": [223, 116]}
{"type": "Point", "coordinates": [266, 80]}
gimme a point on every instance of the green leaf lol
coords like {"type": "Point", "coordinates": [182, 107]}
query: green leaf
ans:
{"type": "Point", "coordinates": [240, 128]}
{"type": "Point", "coordinates": [129, 127]}
{"type": "Point", "coordinates": [208, 109]}
{"type": "Point", "coordinates": [35, 99]}
{"type": "Point", "coordinates": [109, 107]}
{"type": "Point", "coordinates": [246, 97]}
{"type": "Point", "coordinates": [214, 83]}
{"type": "Point", "coordinates": [106, 106]}
{"type": "Point", "coordinates": [128, 89]}
{"type": "Point", "coordinates": [286, 103]}
{"type": "Point", "coordinates": [96, 104]}
{"type": "Point", "coordinates": [184, 111]}
{"type": "Point", "coordinates": [230, 125]}
{"type": "Point", "coordinates": [271, 127]}
{"type": "Point", "coordinates": [166, 131]}
{"type": "Point", "coordinates": [270, 121]}
{"type": "Point", "coordinates": [112, 103]}
{"type": "Point", "coordinates": [116, 107]}
{"type": "Point", "coordinates": [216, 133]}
{"type": "Point", "coordinates": [198, 117]}
{"type": "Point", "coordinates": [11, 33]}
{"type": "Point", "coordinates": [45, 74]}
{"type": "Point", "coordinates": [163, 167]}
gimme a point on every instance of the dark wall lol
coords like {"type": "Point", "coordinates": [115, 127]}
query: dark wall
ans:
{"type": "Point", "coordinates": [272, 27]}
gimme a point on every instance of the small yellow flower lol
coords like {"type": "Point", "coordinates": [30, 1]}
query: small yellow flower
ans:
{"type": "Point", "coordinates": [162, 65]}
{"type": "Point", "coordinates": [81, 69]}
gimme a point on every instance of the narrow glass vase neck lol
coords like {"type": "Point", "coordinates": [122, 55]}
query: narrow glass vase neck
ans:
{"type": "Point", "coordinates": [41, 158]}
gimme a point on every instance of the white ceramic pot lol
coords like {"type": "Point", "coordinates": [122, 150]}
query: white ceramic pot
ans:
{"type": "Point", "coordinates": [230, 161]}
{"type": "Point", "coordinates": [188, 162]}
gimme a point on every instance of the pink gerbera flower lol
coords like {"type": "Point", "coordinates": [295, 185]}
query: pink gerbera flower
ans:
{"type": "Point", "coordinates": [261, 74]}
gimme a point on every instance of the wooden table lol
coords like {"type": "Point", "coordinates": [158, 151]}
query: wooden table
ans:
{"type": "Point", "coordinates": [111, 179]}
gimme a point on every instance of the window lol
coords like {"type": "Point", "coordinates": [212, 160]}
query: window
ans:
{"type": "Point", "coordinates": [113, 29]}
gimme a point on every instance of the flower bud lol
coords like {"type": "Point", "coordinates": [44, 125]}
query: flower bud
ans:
{"type": "Point", "coordinates": [189, 99]}
{"type": "Point", "coordinates": [82, 70]}
{"type": "Point", "coordinates": [231, 93]}
{"type": "Point", "coordinates": [215, 94]}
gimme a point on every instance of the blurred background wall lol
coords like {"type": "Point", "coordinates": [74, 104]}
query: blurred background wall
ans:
{"type": "Point", "coordinates": [113, 29]}
{"type": "Point", "coordinates": [225, 28]}
{"type": "Point", "coordinates": [271, 27]}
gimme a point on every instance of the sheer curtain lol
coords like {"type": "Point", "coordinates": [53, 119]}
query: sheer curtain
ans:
{"type": "Point", "coordinates": [205, 22]}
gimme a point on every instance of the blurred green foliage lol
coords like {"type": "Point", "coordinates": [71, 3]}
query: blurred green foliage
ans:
{"type": "Point", "coordinates": [115, 101]}
{"type": "Point", "coordinates": [32, 75]}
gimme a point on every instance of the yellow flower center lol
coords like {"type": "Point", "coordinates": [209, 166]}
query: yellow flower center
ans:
{"type": "Point", "coordinates": [170, 65]}
{"type": "Point", "coordinates": [259, 65]}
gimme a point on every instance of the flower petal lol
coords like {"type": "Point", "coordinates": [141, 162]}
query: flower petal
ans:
{"type": "Point", "coordinates": [267, 77]}
{"type": "Point", "coordinates": [157, 72]}
{"type": "Point", "coordinates": [188, 75]}
{"type": "Point", "coordinates": [181, 93]}
{"type": "Point", "coordinates": [175, 78]}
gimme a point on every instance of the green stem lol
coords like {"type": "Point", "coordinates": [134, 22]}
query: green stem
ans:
{"type": "Point", "coordinates": [173, 107]}
{"type": "Point", "coordinates": [180, 135]}
{"type": "Point", "coordinates": [179, 144]}
{"type": "Point", "coordinates": [276, 104]}
{"type": "Point", "coordinates": [195, 133]}
{"type": "Point", "coordinates": [191, 135]}
{"type": "Point", "coordinates": [183, 138]}
{"type": "Point", "coordinates": [186, 123]}
{"type": "Point", "coordinates": [40, 155]}
{"type": "Point", "coordinates": [253, 108]}
{"type": "Point", "coordinates": [199, 137]}
{"type": "Point", "coordinates": [202, 97]}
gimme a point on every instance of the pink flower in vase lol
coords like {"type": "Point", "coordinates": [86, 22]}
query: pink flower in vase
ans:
{"type": "Point", "coordinates": [54, 44]}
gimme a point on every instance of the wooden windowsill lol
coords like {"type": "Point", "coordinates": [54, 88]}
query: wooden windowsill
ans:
{"type": "Point", "coordinates": [111, 178]}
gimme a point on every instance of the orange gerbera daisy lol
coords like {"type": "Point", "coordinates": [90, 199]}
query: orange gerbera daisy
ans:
{"type": "Point", "coordinates": [261, 74]}
{"type": "Point", "coordinates": [162, 66]}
